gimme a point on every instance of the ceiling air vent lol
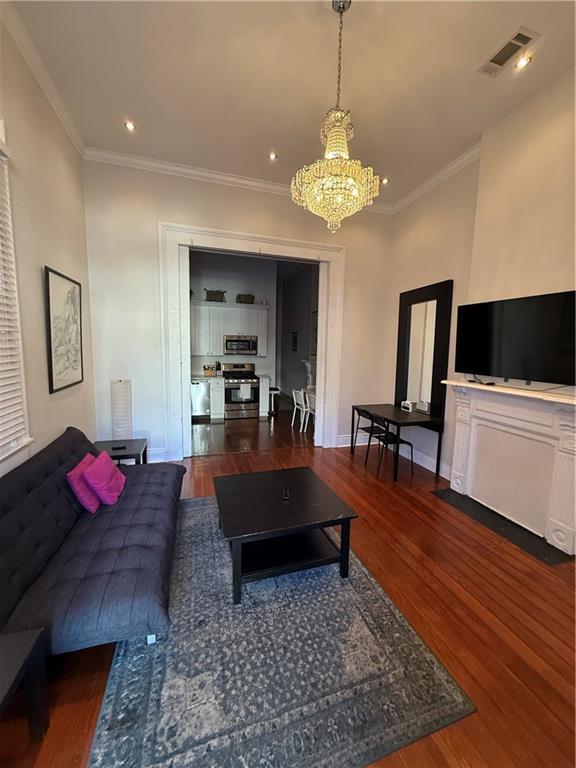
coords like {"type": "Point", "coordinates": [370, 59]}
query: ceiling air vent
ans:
{"type": "Point", "coordinates": [509, 51]}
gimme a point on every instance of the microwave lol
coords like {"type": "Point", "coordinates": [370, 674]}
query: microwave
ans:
{"type": "Point", "coordinates": [240, 345]}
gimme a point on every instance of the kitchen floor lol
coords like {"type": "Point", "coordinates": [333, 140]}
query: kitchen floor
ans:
{"type": "Point", "coordinates": [244, 435]}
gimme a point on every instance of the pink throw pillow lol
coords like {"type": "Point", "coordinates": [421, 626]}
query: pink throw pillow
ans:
{"type": "Point", "coordinates": [84, 494]}
{"type": "Point", "coordinates": [105, 479]}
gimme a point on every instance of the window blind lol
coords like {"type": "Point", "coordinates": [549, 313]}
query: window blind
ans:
{"type": "Point", "coordinates": [13, 418]}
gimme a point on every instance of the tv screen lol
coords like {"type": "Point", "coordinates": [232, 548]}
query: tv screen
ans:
{"type": "Point", "coordinates": [530, 338]}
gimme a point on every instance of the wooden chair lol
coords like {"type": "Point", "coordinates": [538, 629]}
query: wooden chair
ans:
{"type": "Point", "coordinates": [299, 406]}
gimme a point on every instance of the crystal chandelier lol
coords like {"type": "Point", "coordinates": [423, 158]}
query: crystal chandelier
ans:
{"type": "Point", "coordinates": [335, 186]}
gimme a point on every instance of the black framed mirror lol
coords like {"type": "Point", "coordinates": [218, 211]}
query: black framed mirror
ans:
{"type": "Point", "coordinates": [423, 345]}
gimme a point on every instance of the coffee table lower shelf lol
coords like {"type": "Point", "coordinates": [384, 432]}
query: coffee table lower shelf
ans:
{"type": "Point", "coordinates": [286, 554]}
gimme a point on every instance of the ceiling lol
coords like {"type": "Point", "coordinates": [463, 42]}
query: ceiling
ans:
{"type": "Point", "coordinates": [216, 85]}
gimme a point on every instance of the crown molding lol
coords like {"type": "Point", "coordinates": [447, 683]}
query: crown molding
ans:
{"type": "Point", "coordinates": [448, 170]}
{"type": "Point", "coordinates": [13, 23]}
{"type": "Point", "coordinates": [258, 185]}
{"type": "Point", "coordinates": [185, 171]}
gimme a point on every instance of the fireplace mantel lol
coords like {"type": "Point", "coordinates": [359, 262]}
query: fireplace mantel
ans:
{"type": "Point", "coordinates": [514, 451]}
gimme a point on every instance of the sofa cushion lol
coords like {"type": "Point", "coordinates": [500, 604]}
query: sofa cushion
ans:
{"type": "Point", "coordinates": [110, 578]}
{"type": "Point", "coordinates": [37, 511]}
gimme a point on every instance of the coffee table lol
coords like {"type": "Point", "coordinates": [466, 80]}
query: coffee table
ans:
{"type": "Point", "coordinates": [275, 521]}
{"type": "Point", "coordinates": [22, 663]}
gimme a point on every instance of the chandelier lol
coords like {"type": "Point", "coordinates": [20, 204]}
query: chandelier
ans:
{"type": "Point", "coordinates": [335, 186]}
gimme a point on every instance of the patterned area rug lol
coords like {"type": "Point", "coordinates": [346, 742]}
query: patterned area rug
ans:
{"type": "Point", "coordinates": [309, 670]}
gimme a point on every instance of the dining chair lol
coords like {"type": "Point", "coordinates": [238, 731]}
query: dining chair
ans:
{"type": "Point", "coordinates": [299, 406]}
{"type": "Point", "coordinates": [372, 429]}
{"type": "Point", "coordinates": [310, 408]}
{"type": "Point", "coordinates": [388, 438]}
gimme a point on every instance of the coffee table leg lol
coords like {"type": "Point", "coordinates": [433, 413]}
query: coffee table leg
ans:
{"type": "Point", "coordinates": [34, 685]}
{"type": "Point", "coordinates": [344, 548]}
{"type": "Point", "coordinates": [237, 570]}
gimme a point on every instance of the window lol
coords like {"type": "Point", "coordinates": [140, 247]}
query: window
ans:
{"type": "Point", "coordinates": [13, 418]}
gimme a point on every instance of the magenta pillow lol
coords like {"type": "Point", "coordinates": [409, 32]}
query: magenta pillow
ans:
{"type": "Point", "coordinates": [84, 494]}
{"type": "Point", "coordinates": [105, 479]}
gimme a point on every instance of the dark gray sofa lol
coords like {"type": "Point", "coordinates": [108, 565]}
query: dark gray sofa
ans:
{"type": "Point", "coordinates": [89, 579]}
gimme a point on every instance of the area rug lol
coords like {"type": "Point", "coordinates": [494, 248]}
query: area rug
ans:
{"type": "Point", "coordinates": [309, 670]}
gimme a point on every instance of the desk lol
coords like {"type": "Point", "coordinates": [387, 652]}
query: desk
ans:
{"type": "Point", "coordinates": [386, 413]}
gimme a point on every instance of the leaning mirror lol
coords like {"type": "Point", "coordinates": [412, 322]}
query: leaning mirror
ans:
{"type": "Point", "coordinates": [421, 354]}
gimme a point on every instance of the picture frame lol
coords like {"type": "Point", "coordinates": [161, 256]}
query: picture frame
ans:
{"type": "Point", "coordinates": [63, 307]}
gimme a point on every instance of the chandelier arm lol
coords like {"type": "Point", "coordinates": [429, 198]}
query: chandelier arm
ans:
{"type": "Point", "coordinates": [339, 77]}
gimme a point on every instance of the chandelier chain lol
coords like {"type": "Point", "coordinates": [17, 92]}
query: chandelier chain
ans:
{"type": "Point", "coordinates": [340, 31]}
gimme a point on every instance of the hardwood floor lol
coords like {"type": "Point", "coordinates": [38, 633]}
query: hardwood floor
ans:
{"type": "Point", "coordinates": [499, 620]}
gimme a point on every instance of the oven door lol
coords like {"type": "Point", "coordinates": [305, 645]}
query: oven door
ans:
{"type": "Point", "coordinates": [240, 345]}
{"type": "Point", "coordinates": [232, 395]}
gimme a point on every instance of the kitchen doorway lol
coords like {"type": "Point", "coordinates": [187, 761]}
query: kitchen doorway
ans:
{"type": "Point", "coordinates": [175, 242]}
{"type": "Point", "coordinates": [253, 340]}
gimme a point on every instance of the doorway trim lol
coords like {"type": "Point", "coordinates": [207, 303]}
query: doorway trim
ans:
{"type": "Point", "coordinates": [175, 240]}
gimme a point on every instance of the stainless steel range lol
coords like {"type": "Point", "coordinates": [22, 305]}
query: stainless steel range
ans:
{"type": "Point", "coordinates": [241, 391]}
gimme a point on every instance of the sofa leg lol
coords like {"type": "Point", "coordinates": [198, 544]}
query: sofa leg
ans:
{"type": "Point", "coordinates": [150, 639]}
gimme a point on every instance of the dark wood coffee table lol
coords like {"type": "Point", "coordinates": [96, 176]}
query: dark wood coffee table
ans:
{"type": "Point", "coordinates": [275, 521]}
{"type": "Point", "coordinates": [22, 663]}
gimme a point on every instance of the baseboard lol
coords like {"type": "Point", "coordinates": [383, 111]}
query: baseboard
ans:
{"type": "Point", "coordinates": [156, 455]}
{"type": "Point", "coordinates": [421, 459]}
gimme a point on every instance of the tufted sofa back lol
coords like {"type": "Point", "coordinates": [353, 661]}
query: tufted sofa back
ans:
{"type": "Point", "coordinates": [37, 510]}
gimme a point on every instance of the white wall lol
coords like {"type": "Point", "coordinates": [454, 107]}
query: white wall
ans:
{"type": "Point", "coordinates": [124, 207]}
{"type": "Point", "coordinates": [501, 228]}
{"type": "Point", "coordinates": [524, 234]}
{"type": "Point", "coordinates": [49, 229]}
{"type": "Point", "coordinates": [432, 241]}
{"type": "Point", "coordinates": [237, 274]}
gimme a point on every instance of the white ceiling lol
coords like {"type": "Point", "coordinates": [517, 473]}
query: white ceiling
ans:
{"type": "Point", "coordinates": [217, 84]}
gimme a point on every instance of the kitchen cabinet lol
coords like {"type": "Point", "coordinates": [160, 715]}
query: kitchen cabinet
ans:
{"type": "Point", "coordinates": [217, 399]}
{"type": "Point", "coordinates": [211, 321]}
{"type": "Point", "coordinates": [264, 404]}
{"type": "Point", "coordinates": [206, 330]}
{"type": "Point", "coordinates": [262, 332]}
{"type": "Point", "coordinates": [199, 329]}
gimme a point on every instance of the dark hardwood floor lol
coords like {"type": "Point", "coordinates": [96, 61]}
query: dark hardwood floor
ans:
{"type": "Point", "coordinates": [245, 435]}
{"type": "Point", "coordinates": [499, 620]}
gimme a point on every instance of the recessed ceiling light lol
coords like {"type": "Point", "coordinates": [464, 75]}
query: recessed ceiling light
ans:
{"type": "Point", "coordinates": [523, 62]}
{"type": "Point", "coordinates": [385, 180]}
{"type": "Point", "coordinates": [129, 125]}
{"type": "Point", "coordinates": [272, 155]}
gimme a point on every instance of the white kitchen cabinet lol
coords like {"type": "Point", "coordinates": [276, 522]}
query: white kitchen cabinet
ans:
{"type": "Point", "coordinates": [206, 330]}
{"type": "Point", "coordinates": [262, 331]}
{"type": "Point", "coordinates": [240, 321]}
{"type": "Point", "coordinates": [264, 406]}
{"type": "Point", "coordinates": [216, 331]}
{"type": "Point", "coordinates": [199, 329]}
{"type": "Point", "coordinates": [217, 399]}
{"type": "Point", "coordinates": [211, 321]}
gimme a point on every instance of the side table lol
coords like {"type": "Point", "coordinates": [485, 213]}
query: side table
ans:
{"type": "Point", "coordinates": [22, 662]}
{"type": "Point", "coordinates": [125, 449]}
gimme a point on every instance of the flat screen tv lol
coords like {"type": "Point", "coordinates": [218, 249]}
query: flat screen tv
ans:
{"type": "Point", "coordinates": [530, 338]}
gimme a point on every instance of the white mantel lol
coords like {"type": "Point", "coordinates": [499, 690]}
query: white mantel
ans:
{"type": "Point", "coordinates": [514, 451]}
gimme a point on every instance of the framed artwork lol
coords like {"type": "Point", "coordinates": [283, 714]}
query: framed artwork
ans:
{"type": "Point", "coordinates": [63, 297]}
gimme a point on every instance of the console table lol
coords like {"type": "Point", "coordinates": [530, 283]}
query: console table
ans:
{"type": "Point", "coordinates": [387, 413]}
